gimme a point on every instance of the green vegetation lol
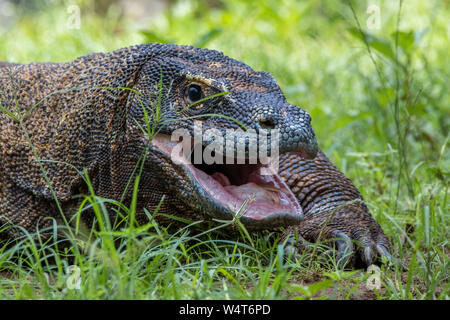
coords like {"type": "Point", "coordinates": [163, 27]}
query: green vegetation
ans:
{"type": "Point", "coordinates": [379, 100]}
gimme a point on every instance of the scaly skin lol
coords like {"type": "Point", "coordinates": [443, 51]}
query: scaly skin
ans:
{"type": "Point", "coordinates": [80, 117]}
{"type": "Point", "coordinates": [333, 209]}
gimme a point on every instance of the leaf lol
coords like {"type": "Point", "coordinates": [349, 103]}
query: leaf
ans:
{"type": "Point", "coordinates": [384, 95]}
{"type": "Point", "coordinates": [383, 46]}
{"type": "Point", "coordinates": [9, 113]}
{"type": "Point", "coordinates": [179, 219]}
{"type": "Point", "coordinates": [346, 120]}
{"type": "Point", "coordinates": [207, 37]}
{"type": "Point", "coordinates": [313, 289]}
{"type": "Point", "coordinates": [406, 40]}
{"type": "Point", "coordinates": [409, 39]}
{"type": "Point", "coordinates": [150, 36]}
{"type": "Point", "coordinates": [319, 286]}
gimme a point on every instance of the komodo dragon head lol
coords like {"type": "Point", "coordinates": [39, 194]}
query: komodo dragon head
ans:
{"type": "Point", "coordinates": [242, 101]}
{"type": "Point", "coordinates": [105, 127]}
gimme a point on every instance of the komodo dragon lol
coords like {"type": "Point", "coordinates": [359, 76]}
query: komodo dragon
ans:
{"type": "Point", "coordinates": [79, 115]}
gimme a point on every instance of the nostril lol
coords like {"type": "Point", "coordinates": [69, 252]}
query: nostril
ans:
{"type": "Point", "coordinates": [266, 123]}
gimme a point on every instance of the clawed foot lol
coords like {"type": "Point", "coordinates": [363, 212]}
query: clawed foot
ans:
{"type": "Point", "coordinates": [351, 240]}
{"type": "Point", "coordinates": [342, 250]}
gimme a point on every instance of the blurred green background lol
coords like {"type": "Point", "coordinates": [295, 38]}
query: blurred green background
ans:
{"type": "Point", "coordinates": [373, 75]}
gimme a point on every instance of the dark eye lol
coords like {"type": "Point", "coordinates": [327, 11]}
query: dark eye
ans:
{"type": "Point", "coordinates": [194, 93]}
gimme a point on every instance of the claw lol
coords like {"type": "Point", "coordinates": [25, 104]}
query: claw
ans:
{"type": "Point", "coordinates": [383, 252]}
{"type": "Point", "coordinates": [359, 250]}
{"type": "Point", "coordinates": [291, 247]}
{"type": "Point", "coordinates": [290, 250]}
{"type": "Point", "coordinates": [384, 255]}
{"type": "Point", "coordinates": [344, 252]}
{"type": "Point", "coordinates": [345, 249]}
{"type": "Point", "coordinates": [368, 255]}
{"type": "Point", "coordinates": [386, 258]}
{"type": "Point", "coordinates": [326, 256]}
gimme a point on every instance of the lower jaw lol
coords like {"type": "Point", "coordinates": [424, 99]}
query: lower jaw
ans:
{"type": "Point", "coordinates": [261, 202]}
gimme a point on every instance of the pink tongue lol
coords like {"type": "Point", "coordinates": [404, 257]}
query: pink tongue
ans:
{"type": "Point", "coordinates": [266, 194]}
{"type": "Point", "coordinates": [259, 188]}
{"type": "Point", "coordinates": [253, 192]}
{"type": "Point", "coordinates": [221, 178]}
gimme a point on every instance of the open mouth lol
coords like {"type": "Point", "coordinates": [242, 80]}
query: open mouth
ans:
{"type": "Point", "coordinates": [253, 192]}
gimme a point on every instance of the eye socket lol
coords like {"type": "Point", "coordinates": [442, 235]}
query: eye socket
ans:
{"type": "Point", "coordinates": [194, 93]}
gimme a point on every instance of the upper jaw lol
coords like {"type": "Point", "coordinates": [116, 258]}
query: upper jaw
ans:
{"type": "Point", "coordinates": [261, 201]}
{"type": "Point", "coordinates": [307, 150]}
{"type": "Point", "coordinates": [296, 133]}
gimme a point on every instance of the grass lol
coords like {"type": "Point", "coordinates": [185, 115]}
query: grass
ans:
{"type": "Point", "coordinates": [379, 105]}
